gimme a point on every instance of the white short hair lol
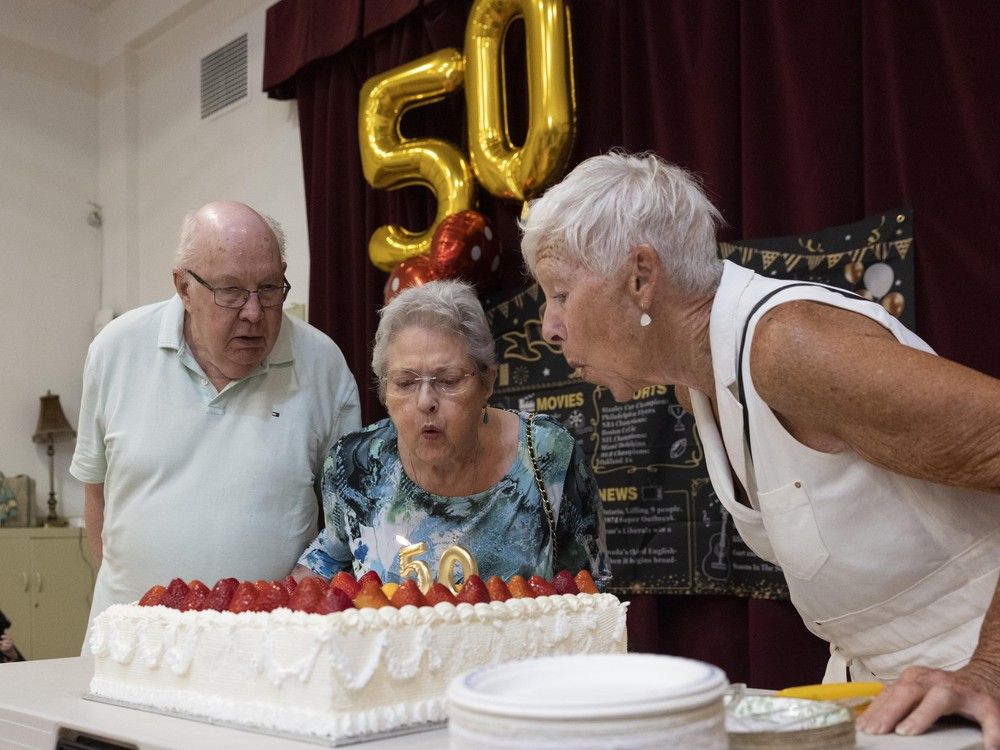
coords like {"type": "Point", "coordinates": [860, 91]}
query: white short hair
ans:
{"type": "Point", "coordinates": [443, 305]}
{"type": "Point", "coordinates": [611, 203]}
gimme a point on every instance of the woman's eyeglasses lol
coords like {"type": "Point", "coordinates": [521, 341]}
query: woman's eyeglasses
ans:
{"type": "Point", "coordinates": [447, 382]}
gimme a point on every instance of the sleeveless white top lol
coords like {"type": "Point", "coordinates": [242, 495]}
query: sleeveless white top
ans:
{"type": "Point", "coordinates": [891, 570]}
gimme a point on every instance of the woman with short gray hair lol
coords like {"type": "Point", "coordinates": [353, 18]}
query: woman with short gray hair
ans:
{"type": "Point", "coordinates": [446, 468]}
{"type": "Point", "coordinates": [445, 305]}
{"type": "Point", "coordinates": [835, 438]}
{"type": "Point", "coordinates": [617, 201]}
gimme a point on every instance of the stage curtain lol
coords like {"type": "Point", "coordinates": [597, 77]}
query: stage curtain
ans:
{"type": "Point", "coordinates": [797, 116]}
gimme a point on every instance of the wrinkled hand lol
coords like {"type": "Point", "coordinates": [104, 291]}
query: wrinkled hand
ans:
{"type": "Point", "coordinates": [7, 646]}
{"type": "Point", "coordinates": [921, 696]}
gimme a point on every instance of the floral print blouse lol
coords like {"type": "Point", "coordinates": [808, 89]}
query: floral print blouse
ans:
{"type": "Point", "coordinates": [373, 508]}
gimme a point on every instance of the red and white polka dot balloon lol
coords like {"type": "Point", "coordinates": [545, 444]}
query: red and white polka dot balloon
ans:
{"type": "Point", "coordinates": [464, 246]}
{"type": "Point", "coordinates": [410, 272]}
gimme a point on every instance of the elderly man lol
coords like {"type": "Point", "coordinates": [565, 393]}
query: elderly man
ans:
{"type": "Point", "coordinates": [846, 451]}
{"type": "Point", "coordinates": [205, 419]}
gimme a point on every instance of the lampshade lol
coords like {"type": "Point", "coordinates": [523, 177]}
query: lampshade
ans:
{"type": "Point", "coordinates": [52, 423]}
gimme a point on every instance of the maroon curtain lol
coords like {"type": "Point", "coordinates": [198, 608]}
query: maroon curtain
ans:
{"type": "Point", "coordinates": [798, 115]}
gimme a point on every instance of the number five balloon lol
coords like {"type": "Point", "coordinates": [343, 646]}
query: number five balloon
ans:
{"type": "Point", "coordinates": [501, 168]}
{"type": "Point", "coordinates": [391, 161]}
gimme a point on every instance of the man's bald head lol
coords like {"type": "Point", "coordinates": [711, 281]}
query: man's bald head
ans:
{"type": "Point", "coordinates": [220, 225]}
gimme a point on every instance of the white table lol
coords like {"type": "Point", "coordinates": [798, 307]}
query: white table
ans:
{"type": "Point", "coordinates": [41, 698]}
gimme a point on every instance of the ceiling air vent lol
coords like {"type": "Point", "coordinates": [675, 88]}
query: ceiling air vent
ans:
{"type": "Point", "coordinates": [224, 76]}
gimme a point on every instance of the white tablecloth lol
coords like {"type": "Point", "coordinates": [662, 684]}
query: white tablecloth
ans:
{"type": "Point", "coordinates": [40, 699]}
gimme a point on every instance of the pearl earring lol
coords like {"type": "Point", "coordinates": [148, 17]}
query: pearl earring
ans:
{"type": "Point", "coordinates": [645, 320]}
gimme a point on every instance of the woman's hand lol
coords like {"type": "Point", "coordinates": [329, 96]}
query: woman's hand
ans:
{"type": "Point", "coordinates": [921, 696]}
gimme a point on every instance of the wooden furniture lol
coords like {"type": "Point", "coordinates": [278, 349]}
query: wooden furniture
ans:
{"type": "Point", "coordinates": [45, 589]}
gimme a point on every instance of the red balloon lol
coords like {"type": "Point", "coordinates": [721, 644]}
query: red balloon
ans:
{"type": "Point", "coordinates": [410, 272]}
{"type": "Point", "coordinates": [465, 246]}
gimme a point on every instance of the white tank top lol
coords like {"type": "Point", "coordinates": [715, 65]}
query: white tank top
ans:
{"type": "Point", "coordinates": [890, 569]}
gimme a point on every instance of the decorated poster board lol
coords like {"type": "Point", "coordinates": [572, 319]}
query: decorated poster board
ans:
{"type": "Point", "coordinates": [667, 531]}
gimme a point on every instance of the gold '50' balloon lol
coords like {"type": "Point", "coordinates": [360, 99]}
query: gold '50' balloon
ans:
{"type": "Point", "coordinates": [390, 161]}
{"type": "Point", "coordinates": [502, 169]}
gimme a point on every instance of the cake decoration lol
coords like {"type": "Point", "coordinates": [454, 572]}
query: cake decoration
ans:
{"type": "Point", "coordinates": [352, 658]}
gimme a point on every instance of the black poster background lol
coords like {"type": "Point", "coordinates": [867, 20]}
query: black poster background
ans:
{"type": "Point", "coordinates": [667, 531]}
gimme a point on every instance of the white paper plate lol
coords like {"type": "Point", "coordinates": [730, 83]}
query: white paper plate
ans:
{"type": "Point", "coordinates": [595, 686]}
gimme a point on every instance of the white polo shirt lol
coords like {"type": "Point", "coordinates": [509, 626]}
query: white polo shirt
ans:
{"type": "Point", "coordinates": [200, 483]}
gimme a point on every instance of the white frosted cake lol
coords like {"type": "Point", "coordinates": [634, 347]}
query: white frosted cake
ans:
{"type": "Point", "coordinates": [333, 676]}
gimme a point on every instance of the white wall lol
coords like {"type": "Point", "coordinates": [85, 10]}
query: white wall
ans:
{"type": "Point", "coordinates": [123, 131]}
{"type": "Point", "coordinates": [50, 262]}
{"type": "Point", "coordinates": [159, 159]}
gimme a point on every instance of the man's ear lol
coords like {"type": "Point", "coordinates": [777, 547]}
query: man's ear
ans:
{"type": "Point", "coordinates": [182, 286]}
{"type": "Point", "coordinates": [644, 272]}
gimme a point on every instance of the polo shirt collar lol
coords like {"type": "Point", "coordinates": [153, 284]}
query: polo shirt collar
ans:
{"type": "Point", "coordinates": [172, 334]}
{"type": "Point", "coordinates": [172, 325]}
{"type": "Point", "coordinates": [282, 352]}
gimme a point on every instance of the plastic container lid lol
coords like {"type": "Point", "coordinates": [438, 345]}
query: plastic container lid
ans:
{"type": "Point", "coordinates": [589, 687]}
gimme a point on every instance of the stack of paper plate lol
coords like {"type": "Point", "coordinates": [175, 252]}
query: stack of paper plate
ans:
{"type": "Point", "coordinates": [626, 701]}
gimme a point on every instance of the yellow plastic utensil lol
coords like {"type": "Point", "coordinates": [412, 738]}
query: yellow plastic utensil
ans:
{"type": "Point", "coordinates": [854, 695]}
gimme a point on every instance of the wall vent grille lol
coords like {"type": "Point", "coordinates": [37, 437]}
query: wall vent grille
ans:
{"type": "Point", "coordinates": [224, 76]}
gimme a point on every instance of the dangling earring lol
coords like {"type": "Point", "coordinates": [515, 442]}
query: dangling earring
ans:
{"type": "Point", "coordinates": [644, 319]}
{"type": "Point", "coordinates": [486, 415]}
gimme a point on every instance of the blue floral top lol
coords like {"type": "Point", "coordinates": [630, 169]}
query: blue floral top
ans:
{"type": "Point", "coordinates": [368, 500]}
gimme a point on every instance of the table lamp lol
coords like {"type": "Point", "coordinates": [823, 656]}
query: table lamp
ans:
{"type": "Point", "coordinates": [52, 426]}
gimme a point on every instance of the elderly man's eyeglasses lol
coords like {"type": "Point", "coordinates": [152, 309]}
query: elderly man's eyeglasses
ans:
{"type": "Point", "coordinates": [268, 295]}
{"type": "Point", "coordinates": [447, 382]}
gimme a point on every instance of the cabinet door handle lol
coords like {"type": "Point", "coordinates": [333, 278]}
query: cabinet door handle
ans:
{"type": "Point", "coordinates": [24, 580]}
{"type": "Point", "coordinates": [38, 582]}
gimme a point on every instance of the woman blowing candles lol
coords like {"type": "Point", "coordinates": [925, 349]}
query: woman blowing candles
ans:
{"type": "Point", "coordinates": [846, 451]}
{"type": "Point", "coordinates": [447, 469]}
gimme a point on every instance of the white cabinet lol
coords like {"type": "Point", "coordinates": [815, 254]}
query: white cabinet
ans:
{"type": "Point", "coordinates": [45, 589]}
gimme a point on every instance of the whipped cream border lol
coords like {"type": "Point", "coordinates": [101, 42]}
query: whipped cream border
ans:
{"type": "Point", "coordinates": [117, 638]}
